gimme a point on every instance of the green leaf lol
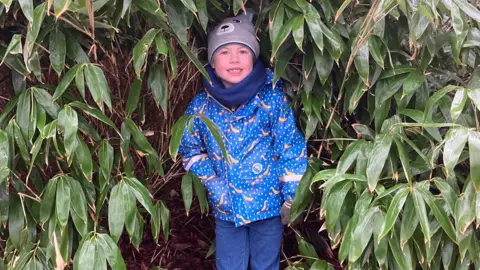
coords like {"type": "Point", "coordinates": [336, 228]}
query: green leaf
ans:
{"type": "Point", "coordinates": [448, 193]}
{"type": "Point", "coordinates": [84, 158]}
{"type": "Point", "coordinates": [316, 32]}
{"type": "Point", "coordinates": [4, 156]}
{"type": "Point", "coordinates": [98, 86]}
{"type": "Point", "coordinates": [458, 104]}
{"type": "Point", "coordinates": [130, 206]}
{"type": "Point", "coordinates": [68, 125]}
{"type": "Point", "coordinates": [323, 63]}
{"type": "Point", "coordinates": [116, 211]}
{"type": "Point", "coordinates": [139, 138]}
{"type": "Point", "coordinates": [187, 192]}
{"type": "Point", "coordinates": [377, 158]}
{"type": "Point", "coordinates": [237, 5]}
{"type": "Point", "coordinates": [111, 251]}
{"type": "Point", "coordinates": [469, 9]}
{"type": "Point", "coordinates": [158, 83]}
{"type": "Point", "coordinates": [421, 212]}
{"type": "Point", "coordinates": [202, 13]}
{"type": "Point", "coordinates": [276, 19]}
{"type": "Point", "coordinates": [474, 151]}
{"type": "Point", "coordinates": [16, 221]}
{"type": "Point", "coordinates": [62, 201]}
{"type": "Point", "coordinates": [200, 192]}
{"type": "Point", "coordinates": [47, 102]}
{"type": "Point", "coordinates": [394, 210]}
{"type": "Point", "coordinates": [402, 153]}
{"type": "Point", "coordinates": [362, 235]}
{"type": "Point", "coordinates": [66, 80]}
{"type": "Point", "coordinates": [465, 208]}
{"type": "Point", "coordinates": [338, 178]}
{"type": "Point", "coordinates": [14, 47]}
{"type": "Point", "coordinates": [361, 61]}
{"type": "Point", "coordinates": [94, 113]}
{"type": "Point", "coordinates": [402, 258]}
{"type": "Point", "coordinates": [177, 133]}
{"type": "Point", "coordinates": [23, 113]}
{"type": "Point", "coordinates": [105, 157]}
{"type": "Point", "coordinates": [298, 30]}
{"type": "Point", "coordinates": [33, 29]}
{"type": "Point", "coordinates": [20, 141]}
{"type": "Point", "coordinates": [439, 213]}
{"type": "Point", "coordinates": [194, 60]}
{"type": "Point", "coordinates": [284, 32]}
{"type": "Point", "coordinates": [142, 194]}
{"type": "Point", "coordinates": [60, 6]}
{"type": "Point", "coordinates": [413, 81]}
{"type": "Point", "coordinates": [141, 49]}
{"type": "Point", "coordinates": [306, 249]}
{"type": "Point", "coordinates": [48, 200]}
{"type": "Point", "coordinates": [334, 203]}
{"type": "Point", "coordinates": [217, 135]}
{"type": "Point", "coordinates": [320, 265]}
{"type": "Point", "coordinates": [409, 221]}
{"type": "Point", "coordinates": [375, 45]}
{"type": "Point", "coordinates": [85, 256]}
{"type": "Point", "coordinates": [435, 98]}
{"type": "Point", "coordinates": [58, 50]}
{"type": "Point", "coordinates": [173, 62]}
{"type": "Point", "coordinates": [165, 219]}
{"type": "Point", "coordinates": [133, 96]}
{"type": "Point", "coordinates": [27, 9]}
{"type": "Point", "coordinates": [349, 156]}
{"type": "Point", "coordinates": [302, 196]}
{"type": "Point", "coordinates": [79, 199]}
{"type": "Point", "coordinates": [454, 143]}
{"type": "Point", "coordinates": [190, 5]}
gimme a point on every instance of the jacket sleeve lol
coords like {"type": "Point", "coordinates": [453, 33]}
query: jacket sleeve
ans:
{"type": "Point", "coordinates": [290, 149]}
{"type": "Point", "coordinates": [193, 150]}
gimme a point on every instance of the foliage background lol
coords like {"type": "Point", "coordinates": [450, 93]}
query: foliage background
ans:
{"type": "Point", "coordinates": [386, 91]}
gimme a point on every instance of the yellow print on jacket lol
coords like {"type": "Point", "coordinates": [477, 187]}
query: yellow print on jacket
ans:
{"type": "Point", "coordinates": [266, 106]}
{"type": "Point", "coordinates": [246, 198]}
{"type": "Point", "coordinates": [264, 208]}
{"type": "Point", "coordinates": [234, 161]}
{"type": "Point", "coordinates": [276, 192]}
{"type": "Point", "coordinates": [245, 221]}
{"type": "Point", "coordinates": [234, 129]}
{"type": "Point", "coordinates": [222, 199]}
{"type": "Point", "coordinates": [239, 191]}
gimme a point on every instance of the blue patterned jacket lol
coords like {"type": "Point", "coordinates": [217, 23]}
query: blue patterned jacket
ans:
{"type": "Point", "coordinates": [266, 150]}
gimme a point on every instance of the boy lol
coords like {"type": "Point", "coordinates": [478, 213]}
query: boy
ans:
{"type": "Point", "coordinates": [267, 152]}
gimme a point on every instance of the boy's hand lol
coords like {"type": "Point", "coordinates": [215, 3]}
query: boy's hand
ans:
{"type": "Point", "coordinates": [285, 214]}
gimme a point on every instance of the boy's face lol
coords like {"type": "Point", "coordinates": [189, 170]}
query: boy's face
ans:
{"type": "Point", "coordinates": [232, 63]}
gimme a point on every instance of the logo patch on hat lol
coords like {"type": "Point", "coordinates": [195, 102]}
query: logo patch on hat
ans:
{"type": "Point", "coordinates": [257, 168]}
{"type": "Point", "coordinates": [225, 28]}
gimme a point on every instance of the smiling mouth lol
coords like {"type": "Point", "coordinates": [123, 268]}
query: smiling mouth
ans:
{"type": "Point", "coordinates": [234, 70]}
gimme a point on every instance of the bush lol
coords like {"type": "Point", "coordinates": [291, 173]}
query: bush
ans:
{"type": "Point", "coordinates": [386, 91]}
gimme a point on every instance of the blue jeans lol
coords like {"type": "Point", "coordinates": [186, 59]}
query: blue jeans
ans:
{"type": "Point", "coordinates": [259, 241]}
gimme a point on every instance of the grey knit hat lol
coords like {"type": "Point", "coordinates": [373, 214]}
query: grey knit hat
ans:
{"type": "Point", "coordinates": [239, 29]}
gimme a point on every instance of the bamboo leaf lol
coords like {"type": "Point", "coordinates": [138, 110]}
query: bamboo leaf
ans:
{"type": "Point", "coordinates": [116, 211]}
{"type": "Point", "coordinates": [409, 221]}
{"type": "Point", "coordinates": [200, 192]}
{"type": "Point", "coordinates": [4, 156]}
{"type": "Point", "coordinates": [142, 194]}
{"type": "Point", "coordinates": [334, 203]}
{"type": "Point", "coordinates": [60, 6]}
{"type": "Point", "coordinates": [455, 141]}
{"type": "Point", "coordinates": [111, 251]}
{"type": "Point", "coordinates": [323, 63]}
{"type": "Point", "coordinates": [133, 96]}
{"type": "Point", "coordinates": [361, 61]}
{"type": "Point", "coordinates": [439, 213]}
{"type": "Point", "coordinates": [465, 208]}
{"type": "Point", "coordinates": [161, 44]}
{"type": "Point", "coordinates": [283, 33]}
{"type": "Point", "coordinates": [448, 193]}
{"type": "Point", "coordinates": [94, 113]}
{"type": "Point", "coordinates": [14, 47]}
{"type": "Point", "coordinates": [27, 9]}
{"type": "Point", "coordinates": [362, 235]}
{"type": "Point", "coordinates": [402, 153]}
{"type": "Point", "coordinates": [190, 5]}
{"type": "Point", "coordinates": [458, 104]}
{"type": "Point", "coordinates": [469, 9]}
{"type": "Point", "coordinates": [68, 125]}
{"type": "Point", "coordinates": [187, 192]}
{"type": "Point", "coordinates": [84, 158]}
{"type": "Point", "coordinates": [315, 29]}
{"type": "Point", "coordinates": [394, 210]}
{"type": "Point", "coordinates": [413, 81]}
{"type": "Point", "coordinates": [141, 50]}
{"type": "Point", "coordinates": [217, 135]}
{"type": "Point", "coordinates": [158, 83]}
{"type": "Point", "coordinates": [421, 212]}
{"type": "Point", "coordinates": [298, 30]}
{"type": "Point", "coordinates": [23, 113]}
{"type": "Point", "coordinates": [58, 50]}
{"type": "Point", "coordinates": [62, 201]}
{"type": "Point", "coordinates": [85, 256]}
{"type": "Point", "coordinates": [436, 97]}
{"type": "Point", "coordinates": [105, 157]}
{"type": "Point", "coordinates": [303, 195]}
{"type": "Point", "coordinates": [48, 200]}
{"type": "Point", "coordinates": [474, 151]}
{"type": "Point", "coordinates": [33, 29]}
{"type": "Point", "coordinates": [202, 13]}
{"type": "Point", "coordinates": [177, 133]}
{"type": "Point", "coordinates": [194, 60]}
{"type": "Point", "coordinates": [377, 159]}
{"type": "Point", "coordinates": [98, 86]}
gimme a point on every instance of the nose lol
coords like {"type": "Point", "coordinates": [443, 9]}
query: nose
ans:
{"type": "Point", "coordinates": [234, 57]}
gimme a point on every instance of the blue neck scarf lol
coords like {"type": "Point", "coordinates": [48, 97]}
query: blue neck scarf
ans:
{"type": "Point", "coordinates": [239, 93]}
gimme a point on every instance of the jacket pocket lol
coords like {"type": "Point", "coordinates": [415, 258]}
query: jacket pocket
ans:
{"type": "Point", "coordinates": [218, 196]}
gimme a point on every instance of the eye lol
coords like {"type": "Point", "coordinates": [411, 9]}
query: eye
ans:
{"type": "Point", "coordinates": [243, 51]}
{"type": "Point", "coordinates": [224, 52]}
